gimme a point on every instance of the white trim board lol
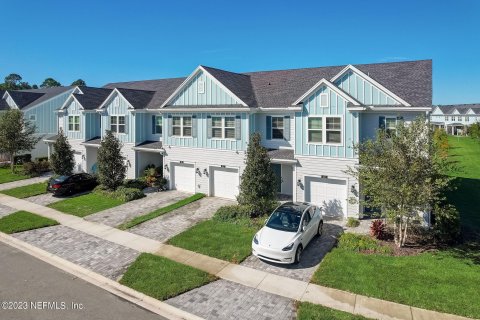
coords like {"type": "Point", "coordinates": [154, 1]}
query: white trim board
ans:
{"type": "Point", "coordinates": [107, 99]}
{"type": "Point", "coordinates": [368, 78]}
{"type": "Point", "coordinates": [331, 86]}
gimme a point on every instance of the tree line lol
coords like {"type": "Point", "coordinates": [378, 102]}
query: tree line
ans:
{"type": "Point", "coordinates": [14, 81]}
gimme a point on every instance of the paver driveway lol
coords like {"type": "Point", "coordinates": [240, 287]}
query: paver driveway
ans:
{"type": "Point", "coordinates": [46, 199]}
{"type": "Point", "coordinates": [5, 211]}
{"type": "Point", "coordinates": [177, 221]}
{"type": "Point", "coordinates": [107, 258]}
{"type": "Point", "coordinates": [311, 257]}
{"type": "Point", "coordinates": [223, 299]}
{"type": "Point", "coordinates": [125, 212]}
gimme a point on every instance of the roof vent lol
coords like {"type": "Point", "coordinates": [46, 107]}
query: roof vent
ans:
{"type": "Point", "coordinates": [269, 84]}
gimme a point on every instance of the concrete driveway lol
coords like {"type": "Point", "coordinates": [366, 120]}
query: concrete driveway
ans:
{"type": "Point", "coordinates": [125, 212]}
{"type": "Point", "coordinates": [311, 257]}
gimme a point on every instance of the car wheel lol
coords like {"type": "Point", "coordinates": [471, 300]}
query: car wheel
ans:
{"type": "Point", "coordinates": [298, 253]}
{"type": "Point", "coordinates": [320, 229]}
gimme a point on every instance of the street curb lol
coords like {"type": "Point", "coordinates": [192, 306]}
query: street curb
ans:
{"type": "Point", "coordinates": [161, 308]}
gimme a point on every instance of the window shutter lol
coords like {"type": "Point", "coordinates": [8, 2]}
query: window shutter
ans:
{"type": "Point", "coordinates": [153, 124]}
{"type": "Point", "coordinates": [269, 127]}
{"type": "Point", "coordinates": [170, 125]}
{"type": "Point", "coordinates": [381, 123]}
{"type": "Point", "coordinates": [108, 123]}
{"type": "Point", "coordinates": [286, 128]}
{"type": "Point", "coordinates": [126, 124]}
{"type": "Point", "coordinates": [399, 118]}
{"type": "Point", "coordinates": [194, 126]}
{"type": "Point", "coordinates": [238, 127]}
{"type": "Point", "coordinates": [209, 127]}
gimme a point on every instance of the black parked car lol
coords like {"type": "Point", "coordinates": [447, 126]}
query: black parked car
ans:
{"type": "Point", "coordinates": [65, 185]}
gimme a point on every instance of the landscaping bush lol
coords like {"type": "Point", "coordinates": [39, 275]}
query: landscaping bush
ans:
{"type": "Point", "coordinates": [20, 159]}
{"type": "Point", "coordinates": [377, 229]}
{"type": "Point", "coordinates": [474, 131]}
{"type": "Point", "coordinates": [41, 159]}
{"type": "Point", "coordinates": [361, 243]}
{"type": "Point", "coordinates": [154, 176]}
{"type": "Point", "coordinates": [352, 222]}
{"type": "Point", "coordinates": [36, 168]}
{"type": "Point", "coordinates": [128, 194]}
{"type": "Point", "coordinates": [139, 184]}
{"type": "Point", "coordinates": [232, 213]}
{"type": "Point", "coordinates": [446, 224]}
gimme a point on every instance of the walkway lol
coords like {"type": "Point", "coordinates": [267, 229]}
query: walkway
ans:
{"type": "Point", "coordinates": [24, 182]}
{"type": "Point", "coordinates": [261, 280]}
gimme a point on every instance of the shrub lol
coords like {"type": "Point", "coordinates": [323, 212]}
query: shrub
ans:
{"type": "Point", "coordinates": [139, 184]}
{"type": "Point", "coordinates": [128, 194]}
{"type": "Point", "coordinates": [154, 177]}
{"type": "Point", "coordinates": [446, 224]}
{"type": "Point", "coordinates": [377, 229]}
{"type": "Point", "coordinates": [20, 159]}
{"type": "Point", "coordinates": [474, 130]}
{"type": "Point", "coordinates": [361, 243]}
{"type": "Point", "coordinates": [232, 213]}
{"type": "Point", "coordinates": [352, 222]}
{"type": "Point", "coordinates": [41, 159]}
{"type": "Point", "coordinates": [36, 168]}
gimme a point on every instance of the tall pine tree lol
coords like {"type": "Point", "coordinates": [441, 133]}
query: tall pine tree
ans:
{"type": "Point", "coordinates": [111, 162]}
{"type": "Point", "coordinates": [259, 182]}
{"type": "Point", "coordinates": [62, 159]}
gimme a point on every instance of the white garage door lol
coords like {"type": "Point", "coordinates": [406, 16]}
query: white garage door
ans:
{"type": "Point", "coordinates": [225, 183]}
{"type": "Point", "coordinates": [329, 194]}
{"type": "Point", "coordinates": [77, 156]}
{"type": "Point", "coordinates": [183, 177]}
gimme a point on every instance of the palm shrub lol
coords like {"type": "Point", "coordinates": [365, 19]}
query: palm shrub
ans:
{"type": "Point", "coordinates": [111, 162]}
{"type": "Point", "coordinates": [258, 187]}
{"type": "Point", "coordinates": [62, 160]}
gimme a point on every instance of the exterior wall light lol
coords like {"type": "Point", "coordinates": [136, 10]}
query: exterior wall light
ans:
{"type": "Point", "coordinates": [198, 171]}
{"type": "Point", "coordinates": [205, 172]}
{"type": "Point", "coordinates": [165, 167]}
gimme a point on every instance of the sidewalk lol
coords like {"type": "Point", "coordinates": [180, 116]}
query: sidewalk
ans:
{"type": "Point", "coordinates": [275, 284]}
{"type": "Point", "coordinates": [24, 182]}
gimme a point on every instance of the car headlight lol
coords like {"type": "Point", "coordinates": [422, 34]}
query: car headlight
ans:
{"type": "Point", "coordinates": [255, 239]}
{"type": "Point", "coordinates": [289, 247]}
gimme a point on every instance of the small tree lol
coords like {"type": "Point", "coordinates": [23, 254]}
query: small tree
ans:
{"type": "Point", "coordinates": [474, 130]}
{"type": "Point", "coordinates": [259, 183]}
{"type": "Point", "coordinates": [111, 162]}
{"type": "Point", "coordinates": [402, 173]}
{"type": "Point", "coordinates": [17, 135]}
{"type": "Point", "coordinates": [62, 159]}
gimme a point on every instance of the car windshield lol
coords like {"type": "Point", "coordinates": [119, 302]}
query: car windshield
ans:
{"type": "Point", "coordinates": [286, 218]}
{"type": "Point", "coordinates": [61, 178]}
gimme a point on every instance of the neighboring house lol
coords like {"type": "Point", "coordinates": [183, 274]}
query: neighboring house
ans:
{"type": "Point", "coordinates": [197, 128]}
{"type": "Point", "coordinates": [455, 118]}
{"type": "Point", "coordinates": [38, 107]}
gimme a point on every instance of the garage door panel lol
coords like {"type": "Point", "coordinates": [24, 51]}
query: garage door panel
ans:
{"type": "Point", "coordinates": [225, 183]}
{"type": "Point", "coordinates": [183, 177]}
{"type": "Point", "coordinates": [329, 194]}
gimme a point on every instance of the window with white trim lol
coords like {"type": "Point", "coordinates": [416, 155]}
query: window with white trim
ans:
{"type": "Point", "coordinates": [390, 125]}
{"type": "Point", "coordinates": [277, 127]}
{"type": "Point", "coordinates": [182, 126]}
{"type": "Point", "coordinates": [223, 127]}
{"type": "Point", "coordinates": [446, 118]}
{"type": "Point", "coordinates": [333, 129]}
{"type": "Point", "coordinates": [117, 124]}
{"type": "Point", "coordinates": [453, 118]}
{"type": "Point", "coordinates": [459, 118]}
{"type": "Point", "coordinates": [33, 117]}
{"type": "Point", "coordinates": [73, 123]}
{"type": "Point", "coordinates": [467, 118]}
{"type": "Point", "coordinates": [158, 124]}
{"type": "Point", "coordinates": [315, 132]}
{"type": "Point", "coordinates": [323, 100]}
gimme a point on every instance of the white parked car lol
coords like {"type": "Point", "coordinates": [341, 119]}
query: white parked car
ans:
{"type": "Point", "coordinates": [287, 232]}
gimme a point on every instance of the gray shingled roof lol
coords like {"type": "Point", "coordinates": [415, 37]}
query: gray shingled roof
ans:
{"type": "Point", "coordinates": [462, 108]}
{"type": "Point", "coordinates": [155, 145]}
{"type": "Point", "coordinates": [139, 99]}
{"type": "Point", "coordinates": [52, 138]}
{"type": "Point", "coordinates": [47, 93]}
{"type": "Point", "coordinates": [92, 97]}
{"type": "Point", "coordinates": [411, 81]}
{"type": "Point", "coordinates": [3, 103]}
{"type": "Point", "coordinates": [210, 106]}
{"type": "Point", "coordinates": [95, 140]}
{"type": "Point", "coordinates": [281, 154]}
{"type": "Point", "coordinates": [23, 99]}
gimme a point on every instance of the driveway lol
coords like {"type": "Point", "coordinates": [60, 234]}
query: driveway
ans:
{"type": "Point", "coordinates": [311, 257]}
{"type": "Point", "coordinates": [223, 299]}
{"type": "Point", "coordinates": [125, 212]}
{"type": "Point", "coordinates": [177, 221]}
{"type": "Point", "coordinates": [107, 258]}
{"type": "Point", "coordinates": [5, 211]}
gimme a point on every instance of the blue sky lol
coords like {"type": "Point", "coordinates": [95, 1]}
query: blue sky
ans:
{"type": "Point", "coordinates": [109, 41]}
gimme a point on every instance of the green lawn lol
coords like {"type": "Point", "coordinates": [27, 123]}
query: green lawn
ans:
{"type": "Point", "coordinates": [231, 241]}
{"type": "Point", "coordinates": [84, 205]}
{"type": "Point", "coordinates": [161, 211]}
{"type": "Point", "coordinates": [23, 221]}
{"type": "Point", "coordinates": [466, 153]}
{"type": "Point", "coordinates": [162, 278]}
{"type": "Point", "coordinates": [27, 191]}
{"type": "Point", "coordinates": [310, 311]}
{"type": "Point", "coordinates": [446, 281]}
{"type": "Point", "coordinates": [6, 175]}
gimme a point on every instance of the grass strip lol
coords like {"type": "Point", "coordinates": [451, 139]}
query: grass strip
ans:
{"type": "Point", "coordinates": [27, 191]}
{"type": "Point", "coordinates": [23, 221]}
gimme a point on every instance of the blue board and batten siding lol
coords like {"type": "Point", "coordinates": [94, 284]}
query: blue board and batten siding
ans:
{"type": "Point", "coordinates": [213, 93]}
{"type": "Point", "coordinates": [73, 109]}
{"type": "Point", "coordinates": [44, 113]}
{"type": "Point", "coordinates": [363, 90]}
{"type": "Point", "coordinates": [337, 106]}
{"type": "Point", "coordinates": [117, 106]}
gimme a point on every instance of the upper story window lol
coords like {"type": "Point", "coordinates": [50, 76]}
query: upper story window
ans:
{"type": "Point", "coordinates": [459, 118]}
{"type": "Point", "coordinates": [446, 118]}
{"type": "Point", "coordinates": [73, 123]}
{"type": "Point", "coordinates": [467, 118]}
{"type": "Point", "coordinates": [182, 126]}
{"type": "Point", "coordinates": [223, 127]}
{"type": "Point", "coordinates": [325, 130]}
{"type": "Point", "coordinates": [390, 125]}
{"type": "Point", "coordinates": [453, 118]}
{"type": "Point", "coordinates": [157, 124]}
{"type": "Point", "coordinates": [277, 127]}
{"type": "Point", "coordinates": [117, 124]}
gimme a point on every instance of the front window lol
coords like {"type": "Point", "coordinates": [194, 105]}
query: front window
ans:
{"type": "Point", "coordinates": [459, 118]}
{"type": "Point", "coordinates": [117, 124]}
{"type": "Point", "coordinates": [315, 132]}
{"type": "Point", "coordinates": [223, 127]}
{"type": "Point", "coordinates": [333, 130]}
{"type": "Point", "coordinates": [182, 126]}
{"type": "Point", "coordinates": [446, 118]}
{"type": "Point", "coordinates": [158, 125]}
{"type": "Point", "coordinates": [73, 123]}
{"type": "Point", "coordinates": [467, 118]}
{"type": "Point", "coordinates": [453, 118]}
{"type": "Point", "coordinates": [390, 126]}
{"type": "Point", "coordinates": [277, 127]}
{"type": "Point", "coordinates": [285, 218]}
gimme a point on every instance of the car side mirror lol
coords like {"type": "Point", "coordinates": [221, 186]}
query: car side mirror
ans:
{"type": "Point", "coordinates": [304, 228]}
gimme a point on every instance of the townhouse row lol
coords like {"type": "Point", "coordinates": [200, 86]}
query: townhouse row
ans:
{"type": "Point", "coordinates": [197, 128]}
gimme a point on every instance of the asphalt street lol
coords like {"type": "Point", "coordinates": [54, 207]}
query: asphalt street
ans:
{"type": "Point", "coordinates": [32, 289]}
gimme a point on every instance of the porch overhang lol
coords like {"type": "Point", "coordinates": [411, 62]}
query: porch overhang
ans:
{"type": "Point", "coordinates": [51, 139]}
{"type": "Point", "coordinates": [150, 146]}
{"type": "Point", "coordinates": [95, 142]}
{"type": "Point", "coordinates": [282, 156]}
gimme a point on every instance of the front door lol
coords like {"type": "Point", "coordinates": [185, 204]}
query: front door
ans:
{"type": "Point", "coordinates": [277, 168]}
